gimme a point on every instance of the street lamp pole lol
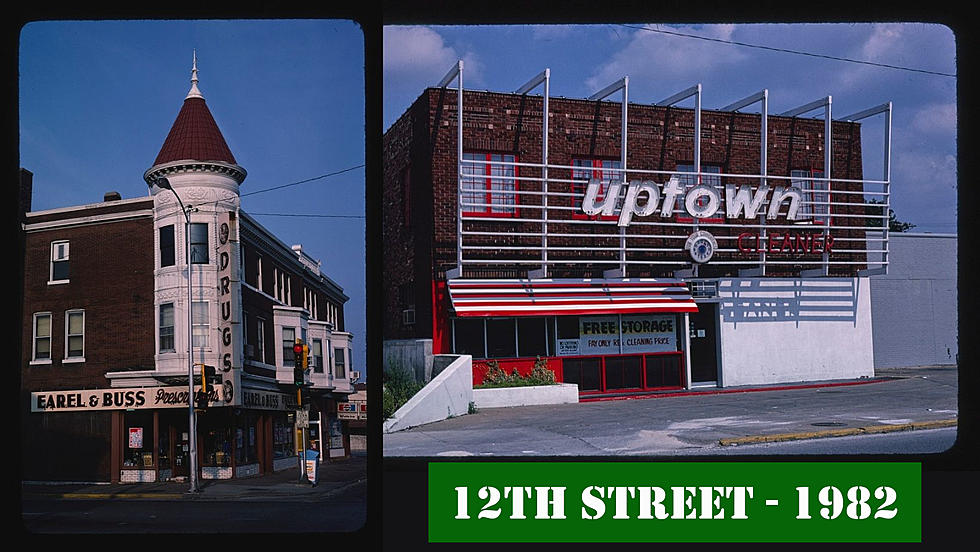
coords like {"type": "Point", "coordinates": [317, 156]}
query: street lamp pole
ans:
{"type": "Point", "coordinates": [191, 415]}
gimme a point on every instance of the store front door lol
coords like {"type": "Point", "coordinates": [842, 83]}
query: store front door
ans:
{"type": "Point", "coordinates": [182, 460]}
{"type": "Point", "coordinates": [704, 345]}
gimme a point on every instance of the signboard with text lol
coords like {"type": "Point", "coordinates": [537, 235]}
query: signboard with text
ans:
{"type": "Point", "coordinates": [611, 335]}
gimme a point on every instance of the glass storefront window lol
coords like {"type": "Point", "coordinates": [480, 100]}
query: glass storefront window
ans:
{"type": "Point", "coordinates": [468, 336]}
{"type": "Point", "coordinates": [501, 339]}
{"type": "Point", "coordinates": [531, 337]}
{"type": "Point", "coordinates": [139, 440]}
{"type": "Point", "coordinates": [282, 437]}
{"type": "Point", "coordinates": [217, 446]}
{"type": "Point", "coordinates": [245, 448]}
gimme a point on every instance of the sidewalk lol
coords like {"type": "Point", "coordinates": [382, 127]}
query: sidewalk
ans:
{"type": "Point", "coordinates": [695, 419]}
{"type": "Point", "coordinates": [335, 476]}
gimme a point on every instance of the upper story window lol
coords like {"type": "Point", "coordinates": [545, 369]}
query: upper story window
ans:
{"type": "Point", "coordinates": [260, 340]}
{"type": "Point", "coordinates": [690, 181]}
{"type": "Point", "coordinates": [258, 272]}
{"type": "Point", "coordinates": [42, 337]}
{"type": "Point", "coordinates": [167, 328]}
{"type": "Point", "coordinates": [339, 365]}
{"type": "Point", "coordinates": [288, 340]}
{"type": "Point", "coordinates": [816, 195]}
{"type": "Point", "coordinates": [604, 170]}
{"type": "Point", "coordinates": [59, 262]}
{"type": "Point", "coordinates": [201, 324]}
{"type": "Point", "coordinates": [316, 352]}
{"type": "Point", "coordinates": [199, 243]}
{"type": "Point", "coordinates": [489, 188]}
{"type": "Point", "coordinates": [281, 285]}
{"type": "Point", "coordinates": [167, 255]}
{"type": "Point", "coordinates": [75, 335]}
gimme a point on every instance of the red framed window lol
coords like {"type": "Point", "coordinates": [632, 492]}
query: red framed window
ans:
{"type": "Point", "coordinates": [690, 181]}
{"type": "Point", "coordinates": [816, 196]}
{"type": "Point", "coordinates": [604, 170]}
{"type": "Point", "coordinates": [489, 187]}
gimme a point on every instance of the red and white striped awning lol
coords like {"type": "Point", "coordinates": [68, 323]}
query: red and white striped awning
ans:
{"type": "Point", "coordinates": [569, 296]}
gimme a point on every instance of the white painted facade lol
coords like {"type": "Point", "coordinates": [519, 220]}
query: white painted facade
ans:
{"type": "Point", "coordinates": [786, 330]}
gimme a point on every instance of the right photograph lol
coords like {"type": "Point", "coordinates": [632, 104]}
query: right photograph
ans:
{"type": "Point", "coordinates": [647, 239]}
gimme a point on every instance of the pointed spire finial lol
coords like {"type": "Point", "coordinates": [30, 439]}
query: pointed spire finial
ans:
{"type": "Point", "coordinates": [194, 92]}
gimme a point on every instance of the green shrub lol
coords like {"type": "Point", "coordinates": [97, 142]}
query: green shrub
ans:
{"type": "Point", "coordinates": [398, 387]}
{"type": "Point", "coordinates": [497, 377]}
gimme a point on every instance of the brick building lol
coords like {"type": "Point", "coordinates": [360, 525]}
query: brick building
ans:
{"type": "Point", "coordinates": [106, 313]}
{"type": "Point", "coordinates": [638, 246]}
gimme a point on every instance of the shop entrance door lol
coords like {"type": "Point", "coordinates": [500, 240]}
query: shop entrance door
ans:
{"type": "Point", "coordinates": [704, 345]}
{"type": "Point", "coordinates": [182, 459]}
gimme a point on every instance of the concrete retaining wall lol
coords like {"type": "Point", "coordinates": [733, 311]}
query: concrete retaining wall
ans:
{"type": "Point", "coordinates": [448, 394]}
{"type": "Point", "coordinates": [409, 355]}
{"type": "Point", "coordinates": [561, 393]}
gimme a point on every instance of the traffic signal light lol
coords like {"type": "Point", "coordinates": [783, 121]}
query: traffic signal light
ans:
{"type": "Point", "coordinates": [306, 357]}
{"type": "Point", "coordinates": [207, 377]}
{"type": "Point", "coordinates": [299, 361]}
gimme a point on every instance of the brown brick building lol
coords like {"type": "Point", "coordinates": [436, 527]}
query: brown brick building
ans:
{"type": "Point", "coordinates": [108, 326]}
{"type": "Point", "coordinates": [525, 229]}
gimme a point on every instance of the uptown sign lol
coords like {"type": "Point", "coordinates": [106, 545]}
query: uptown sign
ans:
{"type": "Point", "coordinates": [642, 199]}
{"type": "Point", "coordinates": [701, 201]}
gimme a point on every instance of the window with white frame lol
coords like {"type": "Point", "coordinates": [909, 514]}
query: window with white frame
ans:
{"type": "Point", "coordinates": [201, 324]}
{"type": "Point", "coordinates": [338, 363]}
{"type": "Point", "coordinates": [690, 181]}
{"type": "Point", "coordinates": [605, 171]}
{"type": "Point", "coordinates": [42, 336]}
{"type": "Point", "coordinates": [167, 344]}
{"type": "Point", "coordinates": [75, 334]}
{"type": "Point", "coordinates": [489, 188]}
{"type": "Point", "coordinates": [288, 340]}
{"type": "Point", "coordinates": [816, 195]}
{"type": "Point", "coordinates": [168, 255]}
{"type": "Point", "coordinates": [260, 340]}
{"type": "Point", "coordinates": [316, 351]}
{"type": "Point", "coordinates": [199, 243]}
{"type": "Point", "coordinates": [59, 261]}
{"type": "Point", "coordinates": [258, 266]}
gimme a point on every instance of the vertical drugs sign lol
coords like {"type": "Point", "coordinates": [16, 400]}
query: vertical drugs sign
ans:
{"type": "Point", "coordinates": [229, 303]}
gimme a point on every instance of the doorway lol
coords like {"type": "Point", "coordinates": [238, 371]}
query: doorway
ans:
{"type": "Point", "coordinates": [703, 329]}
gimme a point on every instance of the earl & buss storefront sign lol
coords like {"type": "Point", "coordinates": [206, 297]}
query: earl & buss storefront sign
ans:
{"type": "Point", "coordinates": [137, 398]}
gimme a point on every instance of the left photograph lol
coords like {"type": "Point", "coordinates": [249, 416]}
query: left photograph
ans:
{"type": "Point", "coordinates": [193, 300]}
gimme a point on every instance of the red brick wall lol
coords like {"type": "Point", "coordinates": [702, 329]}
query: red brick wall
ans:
{"type": "Point", "coordinates": [111, 278]}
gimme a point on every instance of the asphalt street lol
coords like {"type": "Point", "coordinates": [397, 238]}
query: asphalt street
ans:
{"type": "Point", "coordinates": [672, 424]}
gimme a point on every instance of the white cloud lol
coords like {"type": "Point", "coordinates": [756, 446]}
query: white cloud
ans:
{"type": "Point", "coordinates": [935, 119]}
{"type": "Point", "coordinates": [654, 56]}
{"type": "Point", "coordinates": [416, 50]}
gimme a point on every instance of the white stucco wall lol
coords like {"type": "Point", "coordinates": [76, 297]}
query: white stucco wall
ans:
{"type": "Point", "coordinates": [914, 306]}
{"type": "Point", "coordinates": [781, 330]}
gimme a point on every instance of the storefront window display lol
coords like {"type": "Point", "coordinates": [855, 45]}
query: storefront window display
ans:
{"type": "Point", "coordinates": [139, 440]}
{"type": "Point", "coordinates": [217, 446]}
{"type": "Point", "coordinates": [245, 447]}
{"type": "Point", "coordinates": [282, 437]}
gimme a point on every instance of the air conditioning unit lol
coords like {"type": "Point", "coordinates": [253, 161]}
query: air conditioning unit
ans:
{"type": "Point", "coordinates": [408, 316]}
{"type": "Point", "coordinates": [355, 375]}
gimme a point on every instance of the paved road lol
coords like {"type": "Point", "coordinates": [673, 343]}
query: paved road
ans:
{"type": "Point", "coordinates": [901, 399]}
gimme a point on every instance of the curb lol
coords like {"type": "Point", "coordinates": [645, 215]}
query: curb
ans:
{"type": "Point", "coordinates": [836, 432]}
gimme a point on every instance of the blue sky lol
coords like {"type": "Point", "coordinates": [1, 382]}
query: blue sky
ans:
{"type": "Point", "coordinates": [585, 58]}
{"type": "Point", "coordinates": [97, 99]}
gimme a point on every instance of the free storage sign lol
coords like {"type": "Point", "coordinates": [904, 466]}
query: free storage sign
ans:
{"type": "Point", "coordinates": [639, 333]}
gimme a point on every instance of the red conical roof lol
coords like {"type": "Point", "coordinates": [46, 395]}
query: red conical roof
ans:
{"type": "Point", "coordinates": [194, 136]}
